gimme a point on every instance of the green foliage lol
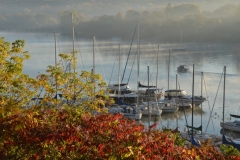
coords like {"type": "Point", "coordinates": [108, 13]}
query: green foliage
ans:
{"type": "Point", "coordinates": [16, 88]}
{"type": "Point", "coordinates": [229, 150]}
{"type": "Point", "coordinates": [83, 89]}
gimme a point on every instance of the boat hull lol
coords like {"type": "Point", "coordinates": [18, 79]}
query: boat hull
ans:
{"type": "Point", "coordinates": [233, 126]}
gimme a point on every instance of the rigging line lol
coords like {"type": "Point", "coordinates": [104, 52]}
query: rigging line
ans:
{"type": "Point", "coordinates": [132, 67]}
{"type": "Point", "coordinates": [214, 100]}
{"type": "Point", "coordinates": [79, 51]}
{"type": "Point", "coordinates": [63, 64]}
{"type": "Point", "coordinates": [129, 52]}
{"type": "Point", "coordinates": [100, 59]}
{"type": "Point", "coordinates": [113, 67]}
{"type": "Point", "coordinates": [152, 70]}
{"type": "Point", "coordinates": [238, 110]}
{"type": "Point", "coordinates": [58, 45]}
{"type": "Point", "coordinates": [208, 104]}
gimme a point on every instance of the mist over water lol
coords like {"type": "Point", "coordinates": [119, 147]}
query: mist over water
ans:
{"type": "Point", "coordinates": [209, 58]}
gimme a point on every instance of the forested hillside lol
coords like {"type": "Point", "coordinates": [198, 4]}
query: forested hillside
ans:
{"type": "Point", "coordinates": [214, 21]}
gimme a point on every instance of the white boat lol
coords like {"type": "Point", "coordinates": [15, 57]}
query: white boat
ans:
{"type": "Point", "coordinates": [182, 96]}
{"type": "Point", "coordinates": [201, 137]}
{"type": "Point", "coordinates": [231, 125]}
{"type": "Point", "coordinates": [150, 93]}
{"type": "Point", "coordinates": [167, 106]}
{"type": "Point", "coordinates": [184, 105]}
{"type": "Point", "coordinates": [128, 111]}
{"type": "Point", "coordinates": [153, 110]}
{"type": "Point", "coordinates": [196, 132]}
{"type": "Point", "coordinates": [182, 68]}
{"type": "Point", "coordinates": [125, 95]}
{"type": "Point", "coordinates": [180, 48]}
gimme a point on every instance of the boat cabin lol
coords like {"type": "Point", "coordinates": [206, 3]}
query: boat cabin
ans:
{"type": "Point", "coordinates": [114, 88]}
{"type": "Point", "coordinates": [174, 93]}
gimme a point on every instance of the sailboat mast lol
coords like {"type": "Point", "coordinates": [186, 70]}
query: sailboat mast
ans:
{"type": "Point", "coordinates": [224, 92]}
{"type": "Point", "coordinates": [148, 100]}
{"type": "Point", "coordinates": [157, 75]}
{"type": "Point", "coordinates": [73, 39]}
{"type": "Point", "coordinates": [93, 54]}
{"type": "Point", "coordinates": [168, 67]}
{"type": "Point", "coordinates": [201, 94]}
{"type": "Point", "coordinates": [192, 97]}
{"type": "Point", "coordinates": [138, 63]}
{"type": "Point", "coordinates": [93, 72]}
{"type": "Point", "coordinates": [181, 37]}
{"type": "Point", "coordinates": [119, 61]}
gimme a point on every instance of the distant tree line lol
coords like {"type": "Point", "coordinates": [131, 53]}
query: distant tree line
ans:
{"type": "Point", "coordinates": [163, 25]}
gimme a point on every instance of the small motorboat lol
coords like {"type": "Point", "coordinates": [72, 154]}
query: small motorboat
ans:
{"type": "Point", "coordinates": [182, 68]}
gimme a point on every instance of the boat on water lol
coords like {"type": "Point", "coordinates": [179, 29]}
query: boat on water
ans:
{"type": "Point", "coordinates": [179, 49]}
{"type": "Point", "coordinates": [182, 96]}
{"type": "Point", "coordinates": [227, 140]}
{"type": "Point", "coordinates": [128, 111]}
{"type": "Point", "coordinates": [182, 68]}
{"type": "Point", "coordinates": [167, 106]}
{"type": "Point", "coordinates": [200, 136]}
{"type": "Point", "coordinates": [232, 125]}
{"type": "Point", "coordinates": [153, 110]}
{"type": "Point", "coordinates": [184, 105]}
{"type": "Point", "coordinates": [149, 93]}
{"type": "Point", "coordinates": [121, 94]}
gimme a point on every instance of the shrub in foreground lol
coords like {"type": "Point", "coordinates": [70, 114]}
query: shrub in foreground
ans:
{"type": "Point", "coordinates": [69, 133]}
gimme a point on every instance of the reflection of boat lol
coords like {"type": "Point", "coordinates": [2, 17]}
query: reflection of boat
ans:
{"type": "Point", "coordinates": [182, 68]}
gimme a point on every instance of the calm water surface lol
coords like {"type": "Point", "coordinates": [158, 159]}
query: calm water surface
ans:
{"type": "Point", "coordinates": [207, 58]}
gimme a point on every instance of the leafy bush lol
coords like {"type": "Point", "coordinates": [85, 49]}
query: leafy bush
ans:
{"type": "Point", "coordinates": [69, 133]}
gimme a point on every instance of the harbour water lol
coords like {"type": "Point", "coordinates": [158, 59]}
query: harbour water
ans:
{"type": "Point", "coordinates": [207, 58]}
